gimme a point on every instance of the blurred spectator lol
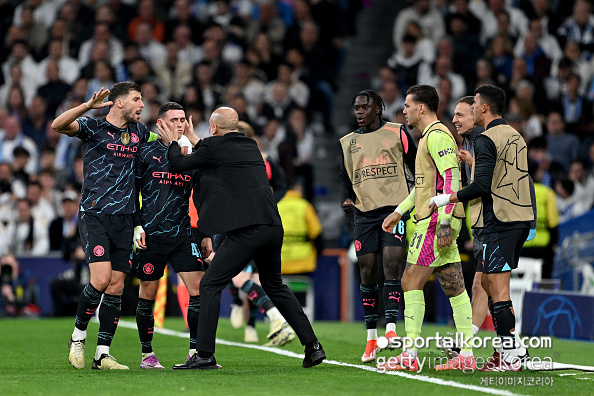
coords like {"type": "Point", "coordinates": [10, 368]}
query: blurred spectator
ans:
{"type": "Point", "coordinates": [173, 73]}
{"type": "Point", "coordinates": [544, 244]}
{"type": "Point", "coordinates": [69, 67]}
{"type": "Point", "coordinates": [537, 62]}
{"type": "Point", "coordinates": [274, 134]}
{"type": "Point", "coordinates": [209, 92]}
{"type": "Point", "coordinates": [584, 187]}
{"type": "Point", "coordinates": [392, 97]}
{"type": "Point", "coordinates": [466, 46]}
{"type": "Point", "coordinates": [31, 236]}
{"type": "Point", "coordinates": [181, 14]}
{"type": "Point", "coordinates": [563, 147]}
{"type": "Point", "coordinates": [19, 55]}
{"type": "Point", "coordinates": [15, 101]}
{"type": "Point", "coordinates": [231, 51]}
{"type": "Point", "coordinates": [278, 105]}
{"type": "Point", "coordinates": [150, 49]}
{"type": "Point", "coordinates": [579, 27]}
{"type": "Point", "coordinates": [498, 17]}
{"type": "Point", "coordinates": [581, 62]}
{"type": "Point", "coordinates": [548, 172]}
{"type": "Point", "coordinates": [532, 117]}
{"type": "Point", "coordinates": [212, 53]}
{"type": "Point", "coordinates": [405, 62]}
{"type": "Point", "coordinates": [269, 60]}
{"type": "Point", "coordinates": [556, 83]}
{"type": "Point", "coordinates": [13, 137]}
{"type": "Point", "coordinates": [103, 76]}
{"type": "Point", "coordinates": [102, 33]}
{"type": "Point", "coordinates": [565, 199]}
{"type": "Point", "coordinates": [54, 91]}
{"type": "Point", "coordinates": [422, 12]}
{"type": "Point", "coordinates": [549, 19]}
{"type": "Point", "coordinates": [81, 17]}
{"type": "Point", "coordinates": [49, 192]}
{"type": "Point", "coordinates": [147, 15]}
{"type": "Point", "coordinates": [460, 9]}
{"type": "Point", "coordinates": [298, 90]}
{"type": "Point", "coordinates": [35, 123]}
{"type": "Point", "coordinates": [547, 42]}
{"type": "Point", "coordinates": [442, 69]}
{"type": "Point", "coordinates": [10, 189]}
{"type": "Point", "coordinates": [484, 74]}
{"type": "Point", "coordinates": [576, 109]}
{"type": "Point", "coordinates": [44, 11]}
{"type": "Point", "coordinates": [71, 43]}
{"type": "Point", "coordinates": [251, 88]}
{"type": "Point", "coordinates": [63, 230]}
{"type": "Point", "coordinates": [41, 208]}
{"type": "Point", "coordinates": [302, 241]}
{"type": "Point", "coordinates": [270, 23]}
{"type": "Point", "coordinates": [34, 31]}
{"type": "Point", "coordinates": [499, 53]}
{"type": "Point", "coordinates": [300, 139]}
{"type": "Point", "coordinates": [19, 292]}
{"type": "Point", "coordinates": [187, 51]}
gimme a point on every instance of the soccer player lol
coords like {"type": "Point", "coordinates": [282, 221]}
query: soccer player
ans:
{"type": "Point", "coordinates": [234, 197]}
{"type": "Point", "coordinates": [377, 166]}
{"type": "Point", "coordinates": [433, 247]}
{"type": "Point", "coordinates": [163, 233]}
{"type": "Point", "coordinates": [501, 182]}
{"type": "Point", "coordinates": [109, 145]}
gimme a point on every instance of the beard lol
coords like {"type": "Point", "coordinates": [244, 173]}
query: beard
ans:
{"type": "Point", "coordinates": [129, 117]}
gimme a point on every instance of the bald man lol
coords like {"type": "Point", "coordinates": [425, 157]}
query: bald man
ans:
{"type": "Point", "coordinates": [234, 197]}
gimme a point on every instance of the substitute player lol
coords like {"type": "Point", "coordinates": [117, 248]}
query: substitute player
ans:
{"type": "Point", "coordinates": [109, 145]}
{"type": "Point", "coordinates": [377, 160]}
{"type": "Point", "coordinates": [433, 247]}
{"type": "Point", "coordinates": [163, 233]}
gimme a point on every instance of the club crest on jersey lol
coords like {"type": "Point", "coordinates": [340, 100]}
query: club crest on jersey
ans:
{"type": "Point", "coordinates": [134, 138]}
{"type": "Point", "coordinates": [125, 137]}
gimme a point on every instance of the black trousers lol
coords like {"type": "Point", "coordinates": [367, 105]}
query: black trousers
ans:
{"type": "Point", "coordinates": [263, 244]}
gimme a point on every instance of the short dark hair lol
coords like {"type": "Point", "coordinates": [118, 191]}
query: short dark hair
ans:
{"type": "Point", "coordinates": [122, 89]}
{"type": "Point", "coordinates": [493, 96]}
{"type": "Point", "coordinates": [165, 107]}
{"type": "Point", "coordinates": [371, 95]}
{"type": "Point", "coordinates": [466, 99]}
{"type": "Point", "coordinates": [20, 152]}
{"type": "Point", "coordinates": [425, 94]}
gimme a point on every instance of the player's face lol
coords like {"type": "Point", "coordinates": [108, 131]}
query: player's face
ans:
{"type": "Point", "coordinates": [412, 111]}
{"type": "Point", "coordinates": [477, 107]}
{"type": "Point", "coordinates": [366, 111]}
{"type": "Point", "coordinates": [133, 106]}
{"type": "Point", "coordinates": [175, 121]}
{"type": "Point", "coordinates": [463, 119]}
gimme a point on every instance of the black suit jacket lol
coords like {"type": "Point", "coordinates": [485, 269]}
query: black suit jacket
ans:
{"type": "Point", "coordinates": [233, 191]}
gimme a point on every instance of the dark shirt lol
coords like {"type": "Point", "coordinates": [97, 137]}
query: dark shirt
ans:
{"type": "Point", "coordinates": [165, 194]}
{"type": "Point", "coordinates": [484, 165]}
{"type": "Point", "coordinates": [108, 156]}
{"type": "Point", "coordinates": [234, 191]}
{"type": "Point", "coordinates": [468, 145]}
{"type": "Point", "coordinates": [346, 185]}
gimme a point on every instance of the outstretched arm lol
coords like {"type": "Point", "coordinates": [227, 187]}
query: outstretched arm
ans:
{"type": "Point", "coordinates": [66, 122]}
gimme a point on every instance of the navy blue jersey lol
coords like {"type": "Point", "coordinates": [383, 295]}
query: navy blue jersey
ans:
{"type": "Point", "coordinates": [108, 156]}
{"type": "Point", "coordinates": [165, 195]}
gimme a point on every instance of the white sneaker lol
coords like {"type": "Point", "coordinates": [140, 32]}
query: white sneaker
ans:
{"type": "Point", "coordinates": [76, 354]}
{"type": "Point", "coordinates": [250, 334]}
{"type": "Point", "coordinates": [283, 337]}
{"type": "Point", "coordinates": [276, 326]}
{"type": "Point", "coordinates": [236, 316]}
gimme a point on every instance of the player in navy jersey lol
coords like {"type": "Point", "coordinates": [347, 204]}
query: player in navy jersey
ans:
{"type": "Point", "coordinates": [109, 147]}
{"type": "Point", "coordinates": [163, 233]}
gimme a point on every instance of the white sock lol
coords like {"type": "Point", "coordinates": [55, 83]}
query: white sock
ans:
{"type": "Point", "coordinates": [192, 352]}
{"type": "Point", "coordinates": [101, 349]}
{"type": "Point", "coordinates": [475, 330]}
{"type": "Point", "coordinates": [520, 350]}
{"type": "Point", "coordinates": [273, 314]}
{"type": "Point", "coordinates": [371, 334]}
{"type": "Point", "coordinates": [466, 353]}
{"type": "Point", "coordinates": [391, 327]}
{"type": "Point", "coordinates": [411, 352]}
{"type": "Point", "coordinates": [79, 334]}
{"type": "Point", "coordinates": [145, 355]}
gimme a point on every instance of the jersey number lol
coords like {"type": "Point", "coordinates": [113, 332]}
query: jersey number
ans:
{"type": "Point", "coordinates": [195, 251]}
{"type": "Point", "coordinates": [418, 237]}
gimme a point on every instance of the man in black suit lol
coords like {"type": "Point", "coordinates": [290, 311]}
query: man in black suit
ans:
{"type": "Point", "coordinates": [234, 197]}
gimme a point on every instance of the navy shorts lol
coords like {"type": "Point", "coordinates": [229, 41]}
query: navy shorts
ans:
{"type": "Point", "coordinates": [501, 249]}
{"type": "Point", "coordinates": [107, 238]}
{"type": "Point", "coordinates": [370, 237]}
{"type": "Point", "coordinates": [477, 248]}
{"type": "Point", "coordinates": [181, 252]}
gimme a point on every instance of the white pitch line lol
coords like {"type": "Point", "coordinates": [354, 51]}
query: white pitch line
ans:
{"type": "Point", "coordinates": [417, 377]}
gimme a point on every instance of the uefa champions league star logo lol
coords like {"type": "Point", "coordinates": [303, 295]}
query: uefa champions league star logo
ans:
{"type": "Point", "coordinates": [558, 311]}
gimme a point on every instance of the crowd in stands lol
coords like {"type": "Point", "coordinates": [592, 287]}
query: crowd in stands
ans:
{"type": "Point", "coordinates": [275, 61]}
{"type": "Point", "coordinates": [539, 51]}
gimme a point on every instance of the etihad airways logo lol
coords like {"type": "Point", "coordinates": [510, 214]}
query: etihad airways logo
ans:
{"type": "Point", "coordinates": [176, 179]}
{"type": "Point", "coordinates": [119, 150]}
